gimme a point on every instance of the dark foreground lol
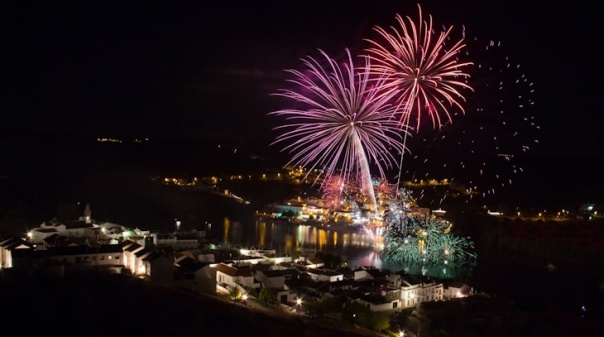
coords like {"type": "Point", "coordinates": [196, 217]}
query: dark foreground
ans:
{"type": "Point", "coordinates": [119, 305]}
{"type": "Point", "coordinates": [102, 305]}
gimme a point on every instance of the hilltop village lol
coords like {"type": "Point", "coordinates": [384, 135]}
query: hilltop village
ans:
{"type": "Point", "coordinates": [187, 260]}
{"type": "Point", "coordinates": [311, 286]}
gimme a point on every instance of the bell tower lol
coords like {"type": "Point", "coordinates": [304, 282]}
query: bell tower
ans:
{"type": "Point", "coordinates": [88, 214]}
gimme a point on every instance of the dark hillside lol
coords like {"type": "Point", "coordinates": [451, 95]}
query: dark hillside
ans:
{"type": "Point", "coordinates": [117, 305]}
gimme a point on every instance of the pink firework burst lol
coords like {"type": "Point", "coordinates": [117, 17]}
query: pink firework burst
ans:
{"type": "Point", "coordinates": [341, 123]}
{"type": "Point", "coordinates": [333, 190]}
{"type": "Point", "coordinates": [385, 188]}
{"type": "Point", "coordinates": [422, 68]}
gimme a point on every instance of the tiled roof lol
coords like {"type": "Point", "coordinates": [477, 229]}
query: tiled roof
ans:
{"type": "Point", "coordinates": [57, 240]}
{"type": "Point", "coordinates": [245, 272]}
{"type": "Point", "coordinates": [327, 272]}
{"type": "Point", "coordinates": [233, 271]}
{"type": "Point", "coordinates": [76, 224]}
{"type": "Point", "coordinates": [132, 246]}
{"type": "Point", "coordinates": [315, 261]}
{"type": "Point", "coordinates": [275, 273]}
{"type": "Point", "coordinates": [346, 271]}
{"type": "Point", "coordinates": [45, 230]}
{"type": "Point", "coordinates": [189, 265]}
{"type": "Point", "coordinates": [376, 273]}
{"type": "Point", "coordinates": [143, 253]}
{"type": "Point", "coordinates": [152, 256]}
{"type": "Point", "coordinates": [14, 242]}
{"type": "Point", "coordinates": [8, 242]}
{"type": "Point", "coordinates": [457, 285]}
{"type": "Point", "coordinates": [74, 250]}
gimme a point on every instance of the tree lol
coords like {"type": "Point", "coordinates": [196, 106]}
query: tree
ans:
{"type": "Point", "coordinates": [352, 313]}
{"type": "Point", "coordinates": [324, 306]}
{"type": "Point", "coordinates": [400, 319]}
{"type": "Point", "coordinates": [379, 322]}
{"type": "Point", "coordinates": [289, 214]}
{"type": "Point", "coordinates": [235, 293]}
{"type": "Point", "coordinates": [296, 255]}
{"type": "Point", "coordinates": [267, 296]}
{"type": "Point", "coordinates": [315, 309]}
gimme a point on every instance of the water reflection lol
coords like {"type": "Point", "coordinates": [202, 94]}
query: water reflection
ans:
{"type": "Point", "coordinates": [268, 233]}
{"type": "Point", "coordinates": [356, 247]}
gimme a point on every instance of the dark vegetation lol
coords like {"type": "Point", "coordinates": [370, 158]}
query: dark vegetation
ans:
{"type": "Point", "coordinates": [91, 305]}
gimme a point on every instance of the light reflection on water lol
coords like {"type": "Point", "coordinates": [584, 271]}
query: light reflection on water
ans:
{"type": "Point", "coordinates": [356, 247]}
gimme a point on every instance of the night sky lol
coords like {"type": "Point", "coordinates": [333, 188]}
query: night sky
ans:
{"type": "Point", "coordinates": [206, 69]}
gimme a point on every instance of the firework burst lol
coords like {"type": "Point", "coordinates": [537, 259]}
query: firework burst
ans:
{"type": "Point", "coordinates": [337, 191]}
{"type": "Point", "coordinates": [423, 69]}
{"type": "Point", "coordinates": [341, 123]}
{"type": "Point", "coordinates": [420, 239]}
{"type": "Point", "coordinates": [481, 153]}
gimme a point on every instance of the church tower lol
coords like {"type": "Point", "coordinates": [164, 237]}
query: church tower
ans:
{"type": "Point", "coordinates": [88, 214]}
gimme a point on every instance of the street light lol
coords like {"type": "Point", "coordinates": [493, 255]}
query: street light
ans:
{"type": "Point", "coordinates": [298, 304]}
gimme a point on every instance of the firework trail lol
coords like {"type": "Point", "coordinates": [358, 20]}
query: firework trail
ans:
{"type": "Point", "coordinates": [481, 151]}
{"type": "Point", "coordinates": [341, 123]}
{"type": "Point", "coordinates": [423, 70]}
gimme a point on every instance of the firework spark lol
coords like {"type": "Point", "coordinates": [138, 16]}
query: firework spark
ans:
{"type": "Point", "coordinates": [422, 70]}
{"type": "Point", "coordinates": [333, 190]}
{"type": "Point", "coordinates": [482, 151]}
{"type": "Point", "coordinates": [341, 123]}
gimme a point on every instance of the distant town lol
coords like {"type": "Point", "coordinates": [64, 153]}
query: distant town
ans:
{"type": "Point", "coordinates": [312, 206]}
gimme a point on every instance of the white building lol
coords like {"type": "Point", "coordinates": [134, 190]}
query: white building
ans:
{"type": "Point", "coordinates": [8, 247]}
{"type": "Point", "coordinates": [272, 279]}
{"type": "Point", "coordinates": [414, 292]}
{"type": "Point", "coordinates": [157, 268]}
{"type": "Point", "coordinates": [457, 290]}
{"type": "Point", "coordinates": [235, 275]}
{"type": "Point", "coordinates": [71, 229]}
{"type": "Point", "coordinates": [130, 249]}
{"type": "Point", "coordinates": [177, 243]}
{"type": "Point", "coordinates": [325, 275]}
